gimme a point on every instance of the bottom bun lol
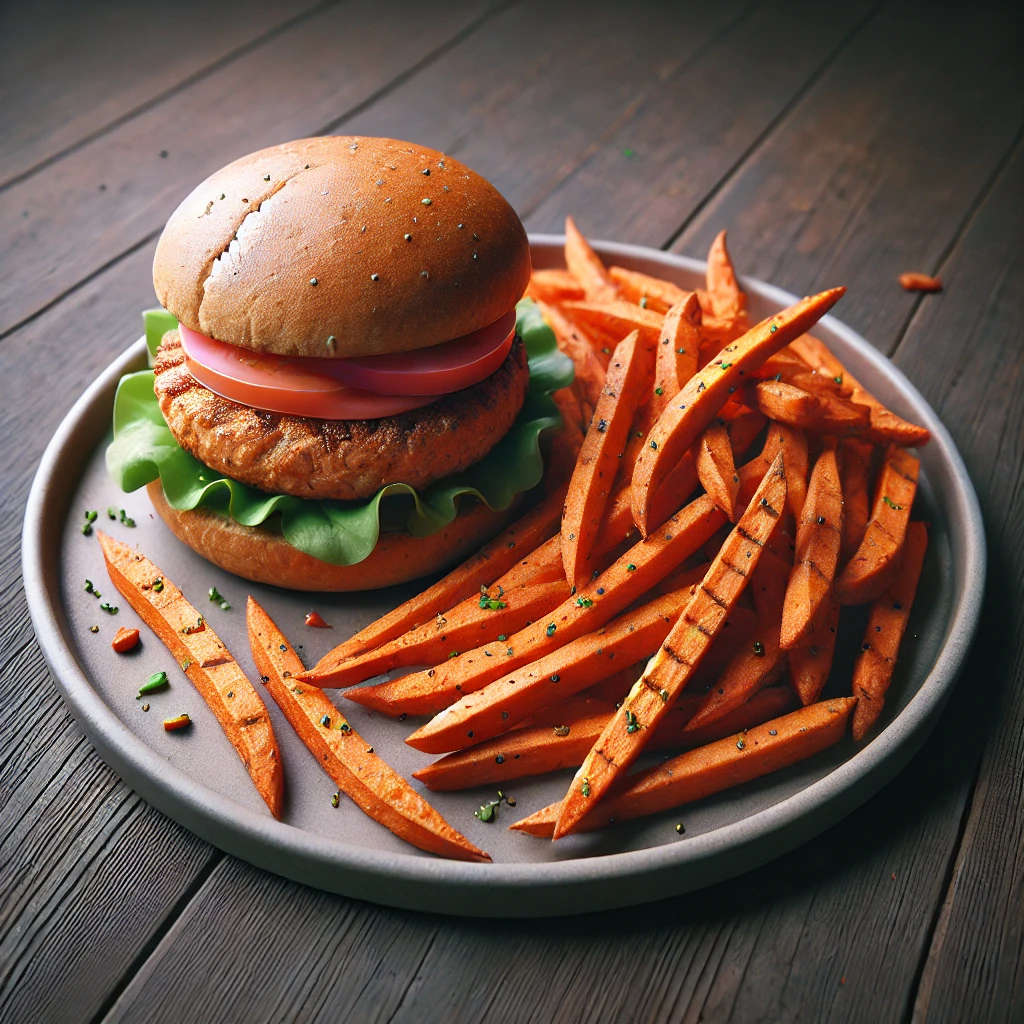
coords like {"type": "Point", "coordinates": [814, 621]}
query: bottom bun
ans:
{"type": "Point", "coordinates": [259, 554]}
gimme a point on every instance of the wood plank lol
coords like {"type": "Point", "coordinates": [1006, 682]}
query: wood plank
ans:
{"type": "Point", "coordinates": [58, 92]}
{"type": "Point", "coordinates": [648, 175]}
{"type": "Point", "coordinates": [973, 970]}
{"type": "Point", "coordinates": [874, 171]}
{"type": "Point", "coordinates": [80, 213]}
{"type": "Point", "coordinates": [773, 945]}
{"type": "Point", "coordinates": [539, 86]}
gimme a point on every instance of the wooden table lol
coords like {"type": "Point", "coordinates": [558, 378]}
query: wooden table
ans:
{"type": "Point", "coordinates": [839, 143]}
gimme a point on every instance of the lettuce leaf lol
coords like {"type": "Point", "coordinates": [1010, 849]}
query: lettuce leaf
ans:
{"type": "Point", "coordinates": [339, 532]}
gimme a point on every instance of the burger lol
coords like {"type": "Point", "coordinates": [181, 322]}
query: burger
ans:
{"type": "Point", "coordinates": [343, 394]}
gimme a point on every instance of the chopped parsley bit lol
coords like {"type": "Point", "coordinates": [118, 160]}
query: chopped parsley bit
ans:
{"type": "Point", "coordinates": [508, 653]}
{"type": "Point", "coordinates": [654, 445]}
{"type": "Point", "coordinates": [158, 584]}
{"type": "Point", "coordinates": [679, 828]}
{"type": "Point", "coordinates": [452, 654]}
{"type": "Point", "coordinates": [562, 730]}
{"type": "Point", "coordinates": [584, 602]}
{"type": "Point", "coordinates": [492, 603]}
{"type": "Point", "coordinates": [500, 759]}
{"type": "Point", "coordinates": [680, 351]}
{"type": "Point", "coordinates": [157, 681]}
{"type": "Point", "coordinates": [86, 528]}
{"type": "Point", "coordinates": [335, 800]}
{"type": "Point", "coordinates": [111, 512]}
{"type": "Point", "coordinates": [488, 812]}
{"type": "Point", "coordinates": [725, 366]}
{"type": "Point", "coordinates": [643, 301]}
{"type": "Point", "coordinates": [110, 609]}
{"type": "Point", "coordinates": [659, 391]}
{"type": "Point", "coordinates": [343, 726]}
{"type": "Point", "coordinates": [551, 629]}
{"type": "Point", "coordinates": [282, 647]}
{"type": "Point", "coordinates": [325, 721]}
{"type": "Point", "coordinates": [126, 520]}
{"type": "Point", "coordinates": [891, 503]}
{"type": "Point", "coordinates": [313, 281]}
{"type": "Point", "coordinates": [602, 426]}
{"type": "Point", "coordinates": [425, 202]}
{"type": "Point", "coordinates": [89, 587]}
{"type": "Point", "coordinates": [555, 678]}
{"type": "Point", "coordinates": [585, 788]}
{"type": "Point", "coordinates": [502, 636]}
{"type": "Point", "coordinates": [93, 516]}
{"type": "Point", "coordinates": [740, 745]}
{"type": "Point", "coordinates": [663, 694]}
{"type": "Point", "coordinates": [632, 725]}
{"type": "Point", "coordinates": [185, 664]}
{"type": "Point", "coordinates": [773, 329]}
{"type": "Point", "coordinates": [631, 567]}
{"type": "Point", "coordinates": [838, 378]}
{"type": "Point", "coordinates": [777, 377]}
{"type": "Point", "coordinates": [773, 732]}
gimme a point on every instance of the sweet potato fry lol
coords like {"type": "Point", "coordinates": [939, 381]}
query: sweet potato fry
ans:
{"type": "Point", "coordinates": [628, 579]}
{"type": "Point", "coordinates": [707, 391]}
{"type": "Point", "coordinates": [538, 749]}
{"type": "Point", "coordinates": [873, 567]}
{"type": "Point", "coordinates": [378, 790]}
{"type": "Point", "coordinates": [763, 749]}
{"type": "Point", "coordinates": [586, 267]}
{"type": "Point", "coordinates": [614, 320]}
{"type": "Point", "coordinates": [914, 281]}
{"type": "Point", "coordinates": [821, 412]}
{"type": "Point", "coordinates": [727, 299]}
{"type": "Point", "coordinates": [818, 536]}
{"type": "Point", "coordinates": [504, 703]}
{"type": "Point", "coordinates": [205, 660]}
{"type": "Point", "coordinates": [589, 363]}
{"type": "Point", "coordinates": [793, 444]}
{"type": "Point", "coordinates": [809, 666]}
{"type": "Point", "coordinates": [629, 377]}
{"type": "Point", "coordinates": [758, 663]}
{"type": "Point", "coordinates": [554, 286]}
{"type": "Point", "coordinates": [687, 643]}
{"type": "Point", "coordinates": [474, 621]}
{"type": "Point", "coordinates": [855, 478]}
{"type": "Point", "coordinates": [887, 622]}
{"type": "Point", "coordinates": [712, 455]}
{"type": "Point", "coordinates": [644, 290]}
{"type": "Point", "coordinates": [568, 404]}
{"type": "Point", "coordinates": [487, 566]}
{"type": "Point", "coordinates": [885, 425]}
{"type": "Point", "coordinates": [678, 350]}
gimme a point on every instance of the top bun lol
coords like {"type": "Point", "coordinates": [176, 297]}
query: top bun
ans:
{"type": "Point", "coordinates": [407, 248]}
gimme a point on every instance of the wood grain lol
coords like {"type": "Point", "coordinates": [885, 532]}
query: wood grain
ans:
{"type": "Point", "coordinates": [973, 970]}
{"type": "Point", "coordinates": [877, 167]}
{"type": "Point", "coordinates": [78, 214]}
{"type": "Point", "coordinates": [59, 92]}
{"type": "Point", "coordinates": [878, 149]}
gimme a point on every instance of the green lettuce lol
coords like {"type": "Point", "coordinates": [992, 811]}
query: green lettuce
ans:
{"type": "Point", "coordinates": [339, 532]}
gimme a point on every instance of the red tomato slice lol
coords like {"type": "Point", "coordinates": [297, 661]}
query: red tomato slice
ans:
{"type": "Point", "coordinates": [437, 370]}
{"type": "Point", "coordinates": [283, 385]}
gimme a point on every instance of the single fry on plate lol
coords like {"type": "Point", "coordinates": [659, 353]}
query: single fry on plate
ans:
{"type": "Point", "coordinates": [376, 788]}
{"type": "Point", "coordinates": [205, 660]}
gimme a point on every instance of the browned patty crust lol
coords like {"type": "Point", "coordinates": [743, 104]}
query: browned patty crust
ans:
{"type": "Point", "coordinates": [343, 459]}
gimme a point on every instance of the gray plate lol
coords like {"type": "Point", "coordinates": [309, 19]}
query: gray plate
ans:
{"type": "Point", "coordinates": [197, 779]}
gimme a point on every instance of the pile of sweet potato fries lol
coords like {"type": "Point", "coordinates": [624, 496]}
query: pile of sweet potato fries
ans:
{"type": "Point", "coordinates": [674, 591]}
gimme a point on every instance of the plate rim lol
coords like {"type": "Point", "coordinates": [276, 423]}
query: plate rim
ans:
{"type": "Point", "coordinates": [410, 881]}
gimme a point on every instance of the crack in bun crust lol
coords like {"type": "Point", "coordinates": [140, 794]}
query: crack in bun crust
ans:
{"type": "Point", "coordinates": [340, 459]}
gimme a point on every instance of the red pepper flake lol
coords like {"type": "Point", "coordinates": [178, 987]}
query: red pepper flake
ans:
{"type": "Point", "coordinates": [125, 640]}
{"type": "Point", "coordinates": [176, 723]}
{"type": "Point", "coordinates": [914, 282]}
{"type": "Point", "coordinates": [316, 620]}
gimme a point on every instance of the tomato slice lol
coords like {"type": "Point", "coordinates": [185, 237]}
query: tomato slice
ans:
{"type": "Point", "coordinates": [284, 385]}
{"type": "Point", "coordinates": [437, 370]}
